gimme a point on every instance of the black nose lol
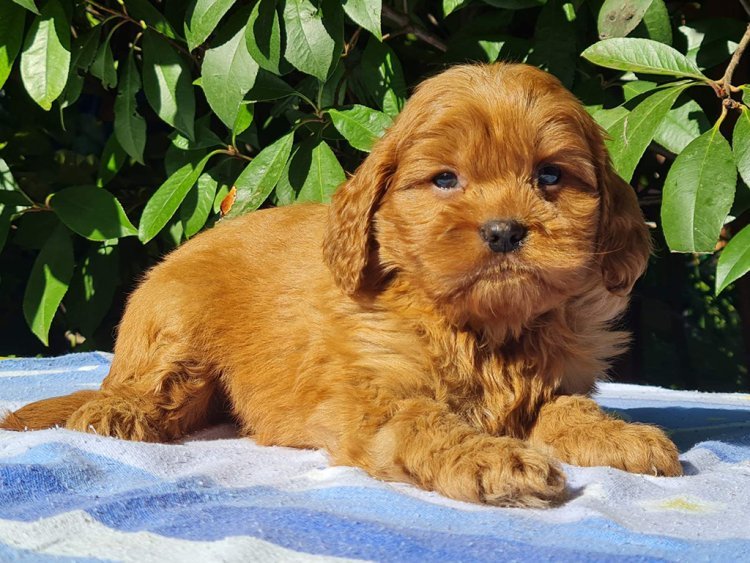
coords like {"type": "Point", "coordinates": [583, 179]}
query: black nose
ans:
{"type": "Point", "coordinates": [503, 235]}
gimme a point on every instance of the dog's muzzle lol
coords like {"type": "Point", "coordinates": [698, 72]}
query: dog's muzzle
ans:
{"type": "Point", "coordinates": [503, 235]}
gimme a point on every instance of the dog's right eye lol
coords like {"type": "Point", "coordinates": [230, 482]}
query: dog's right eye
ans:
{"type": "Point", "coordinates": [445, 180]}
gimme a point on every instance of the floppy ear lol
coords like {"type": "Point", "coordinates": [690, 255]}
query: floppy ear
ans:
{"type": "Point", "coordinates": [347, 242]}
{"type": "Point", "coordinates": [624, 243]}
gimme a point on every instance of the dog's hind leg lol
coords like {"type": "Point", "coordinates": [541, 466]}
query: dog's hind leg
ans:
{"type": "Point", "coordinates": [184, 399]}
{"type": "Point", "coordinates": [162, 383]}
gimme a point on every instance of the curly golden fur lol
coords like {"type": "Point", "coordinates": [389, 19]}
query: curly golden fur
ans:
{"type": "Point", "coordinates": [385, 329]}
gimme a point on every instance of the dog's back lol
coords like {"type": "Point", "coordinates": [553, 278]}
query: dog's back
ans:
{"type": "Point", "coordinates": [180, 331]}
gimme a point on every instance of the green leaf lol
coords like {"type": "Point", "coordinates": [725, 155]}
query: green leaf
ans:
{"type": "Point", "coordinates": [314, 36]}
{"type": "Point", "coordinates": [450, 6]}
{"type": "Point", "coordinates": [360, 125]}
{"type": "Point", "coordinates": [103, 66]}
{"type": "Point", "coordinates": [608, 118]}
{"type": "Point", "coordinates": [202, 18]}
{"type": "Point", "coordinates": [228, 73]}
{"type": "Point", "coordinates": [167, 83]}
{"type": "Point", "coordinates": [366, 14]}
{"type": "Point", "coordinates": [244, 119]}
{"type": "Point", "coordinates": [12, 19]}
{"type": "Point", "coordinates": [555, 48]}
{"type": "Point", "coordinates": [265, 39]}
{"type": "Point", "coordinates": [48, 282]}
{"type": "Point", "coordinates": [164, 203]}
{"type": "Point", "coordinates": [617, 18]}
{"type": "Point", "coordinates": [112, 159]}
{"type": "Point", "coordinates": [6, 214]}
{"type": "Point", "coordinates": [269, 87]}
{"type": "Point", "coordinates": [741, 145]}
{"type": "Point", "coordinates": [630, 136]}
{"type": "Point", "coordinates": [657, 23]}
{"type": "Point", "coordinates": [13, 199]}
{"type": "Point", "coordinates": [28, 4]}
{"type": "Point", "coordinates": [130, 127]}
{"type": "Point", "coordinates": [144, 10]}
{"type": "Point", "coordinates": [681, 125]}
{"type": "Point", "coordinates": [285, 193]}
{"type": "Point", "coordinates": [198, 203]}
{"type": "Point", "coordinates": [515, 4]}
{"type": "Point", "coordinates": [45, 58]}
{"type": "Point", "coordinates": [7, 181]}
{"type": "Point", "coordinates": [92, 288]}
{"type": "Point", "coordinates": [259, 177]}
{"type": "Point", "coordinates": [204, 137]}
{"type": "Point", "coordinates": [698, 194]}
{"type": "Point", "coordinates": [641, 55]}
{"type": "Point", "coordinates": [92, 212]}
{"type": "Point", "coordinates": [734, 260]}
{"type": "Point", "coordinates": [324, 177]}
{"type": "Point", "coordinates": [85, 48]}
{"type": "Point", "coordinates": [378, 79]}
{"type": "Point", "coordinates": [712, 41]}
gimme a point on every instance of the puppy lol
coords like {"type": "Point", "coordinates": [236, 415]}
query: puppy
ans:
{"type": "Point", "coordinates": [440, 323]}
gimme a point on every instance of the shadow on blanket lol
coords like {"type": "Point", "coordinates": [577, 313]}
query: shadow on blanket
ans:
{"type": "Point", "coordinates": [688, 426]}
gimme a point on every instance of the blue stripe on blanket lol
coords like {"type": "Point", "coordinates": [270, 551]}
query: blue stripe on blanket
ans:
{"type": "Point", "coordinates": [198, 494]}
{"type": "Point", "coordinates": [345, 522]}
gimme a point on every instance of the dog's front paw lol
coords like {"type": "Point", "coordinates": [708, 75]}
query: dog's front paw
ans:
{"type": "Point", "coordinates": [646, 449]}
{"type": "Point", "coordinates": [502, 472]}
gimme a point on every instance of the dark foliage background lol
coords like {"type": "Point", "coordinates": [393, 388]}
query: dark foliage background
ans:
{"type": "Point", "coordinates": [109, 109]}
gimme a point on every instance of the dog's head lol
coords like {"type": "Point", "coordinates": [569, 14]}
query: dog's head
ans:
{"type": "Point", "coordinates": [492, 193]}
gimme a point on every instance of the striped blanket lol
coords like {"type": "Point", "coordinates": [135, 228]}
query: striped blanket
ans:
{"type": "Point", "coordinates": [66, 496]}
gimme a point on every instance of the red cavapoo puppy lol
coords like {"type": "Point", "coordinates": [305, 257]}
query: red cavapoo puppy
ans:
{"type": "Point", "coordinates": [440, 323]}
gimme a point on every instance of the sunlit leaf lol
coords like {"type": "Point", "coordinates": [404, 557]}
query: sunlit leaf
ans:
{"type": "Point", "coordinates": [130, 127]}
{"type": "Point", "coordinates": [48, 282]}
{"type": "Point", "coordinates": [92, 212]}
{"type": "Point", "coordinates": [228, 73]}
{"type": "Point", "coordinates": [313, 42]}
{"type": "Point", "coordinates": [45, 58]}
{"type": "Point", "coordinates": [734, 260]}
{"type": "Point", "coordinates": [324, 176]}
{"type": "Point", "coordinates": [167, 199]}
{"type": "Point", "coordinates": [264, 37]}
{"type": "Point", "coordinates": [741, 145]}
{"type": "Point", "coordinates": [12, 19]}
{"type": "Point", "coordinates": [630, 136]}
{"type": "Point", "coordinates": [110, 162]}
{"type": "Point", "coordinates": [365, 13]}
{"type": "Point", "coordinates": [197, 205]}
{"type": "Point", "coordinates": [641, 55]}
{"type": "Point", "coordinates": [360, 125]}
{"type": "Point", "coordinates": [28, 4]}
{"type": "Point", "coordinates": [202, 18]}
{"type": "Point", "coordinates": [167, 83]}
{"type": "Point", "coordinates": [698, 194]}
{"type": "Point", "coordinates": [259, 177]}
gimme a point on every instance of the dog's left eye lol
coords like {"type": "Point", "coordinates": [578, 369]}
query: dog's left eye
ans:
{"type": "Point", "coordinates": [548, 175]}
{"type": "Point", "coordinates": [445, 180]}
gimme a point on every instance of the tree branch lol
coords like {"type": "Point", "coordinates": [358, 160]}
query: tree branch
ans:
{"type": "Point", "coordinates": [726, 80]}
{"type": "Point", "coordinates": [402, 20]}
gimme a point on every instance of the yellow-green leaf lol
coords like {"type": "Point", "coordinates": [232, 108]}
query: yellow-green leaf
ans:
{"type": "Point", "coordinates": [698, 194]}
{"type": "Point", "coordinates": [45, 58]}
{"type": "Point", "coordinates": [48, 282]}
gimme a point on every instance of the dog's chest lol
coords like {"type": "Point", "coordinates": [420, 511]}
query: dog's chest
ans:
{"type": "Point", "coordinates": [497, 391]}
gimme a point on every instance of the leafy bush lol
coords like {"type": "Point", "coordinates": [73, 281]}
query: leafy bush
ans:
{"type": "Point", "coordinates": [168, 114]}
